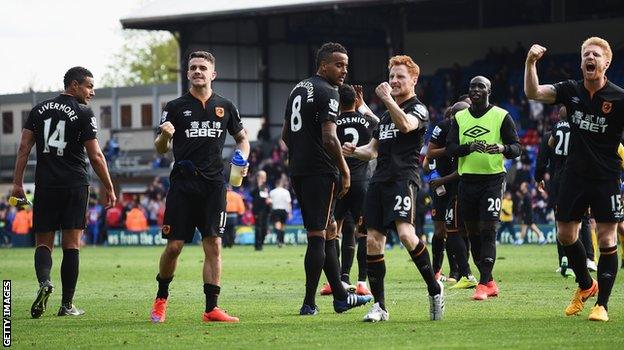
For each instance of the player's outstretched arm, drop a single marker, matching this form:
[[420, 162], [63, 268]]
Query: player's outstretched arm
[[26, 143], [98, 163], [532, 88], [162, 142], [365, 152], [362, 107]]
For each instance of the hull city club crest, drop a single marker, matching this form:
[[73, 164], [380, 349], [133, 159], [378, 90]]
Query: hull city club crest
[[220, 112], [606, 107]]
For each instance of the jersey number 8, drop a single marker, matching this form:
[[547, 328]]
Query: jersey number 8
[[295, 115]]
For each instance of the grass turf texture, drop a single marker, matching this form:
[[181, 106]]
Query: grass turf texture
[[265, 289]]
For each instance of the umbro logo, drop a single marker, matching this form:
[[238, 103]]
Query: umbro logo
[[476, 131], [187, 113], [576, 100]]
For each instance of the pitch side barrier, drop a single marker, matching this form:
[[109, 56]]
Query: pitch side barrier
[[294, 235]]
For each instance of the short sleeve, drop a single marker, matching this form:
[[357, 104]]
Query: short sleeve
[[167, 115], [235, 124], [89, 125], [564, 91], [328, 105], [438, 135], [30, 121], [420, 111]]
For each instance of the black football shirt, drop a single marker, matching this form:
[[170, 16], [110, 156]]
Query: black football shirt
[[398, 156], [200, 131], [355, 128], [311, 103], [445, 165], [61, 126], [596, 125], [561, 135]]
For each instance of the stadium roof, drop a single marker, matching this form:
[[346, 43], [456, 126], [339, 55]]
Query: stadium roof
[[161, 13]]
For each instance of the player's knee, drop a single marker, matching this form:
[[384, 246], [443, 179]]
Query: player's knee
[[173, 249], [374, 245], [607, 239]]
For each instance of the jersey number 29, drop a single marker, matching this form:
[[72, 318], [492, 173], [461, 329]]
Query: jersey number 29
[[57, 139]]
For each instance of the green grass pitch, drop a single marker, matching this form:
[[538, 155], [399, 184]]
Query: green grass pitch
[[265, 289]]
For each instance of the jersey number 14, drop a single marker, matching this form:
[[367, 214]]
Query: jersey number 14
[[57, 139]]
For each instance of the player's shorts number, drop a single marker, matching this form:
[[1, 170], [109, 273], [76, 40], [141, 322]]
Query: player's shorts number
[[449, 215], [495, 204], [295, 115], [57, 139], [616, 203], [403, 203], [353, 132]]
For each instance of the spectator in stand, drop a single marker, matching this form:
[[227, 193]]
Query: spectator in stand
[[234, 209], [22, 223], [5, 237], [261, 206], [135, 219], [94, 213]]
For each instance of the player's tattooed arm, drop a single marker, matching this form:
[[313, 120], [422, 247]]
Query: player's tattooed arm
[[532, 88]]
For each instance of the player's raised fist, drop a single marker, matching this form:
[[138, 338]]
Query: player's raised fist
[[167, 129], [383, 91], [535, 53]]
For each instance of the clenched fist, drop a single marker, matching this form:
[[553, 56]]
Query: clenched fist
[[167, 129], [535, 53], [383, 91]]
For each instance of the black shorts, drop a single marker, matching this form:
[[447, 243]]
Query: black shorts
[[387, 202], [452, 216], [353, 201], [439, 205], [279, 215], [527, 219], [60, 209], [194, 204], [578, 193], [316, 195], [481, 200]]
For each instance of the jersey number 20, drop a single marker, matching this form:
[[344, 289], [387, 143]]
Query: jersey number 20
[[57, 139]]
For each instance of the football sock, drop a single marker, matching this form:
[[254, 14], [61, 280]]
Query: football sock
[[313, 263], [420, 257], [43, 263], [607, 271], [348, 251], [212, 294], [163, 287], [332, 270], [585, 235], [577, 258], [280, 236], [452, 260], [361, 258], [488, 252], [376, 267], [69, 274], [437, 250], [336, 246], [475, 248], [458, 248]]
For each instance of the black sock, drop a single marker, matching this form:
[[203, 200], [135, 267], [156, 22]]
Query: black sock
[[488, 252], [456, 244], [336, 247], [163, 286], [585, 235], [577, 259], [69, 274], [313, 262], [475, 249], [376, 267], [43, 263], [361, 258], [348, 251], [212, 294], [607, 271], [452, 260], [420, 256], [437, 250], [280, 236], [332, 270]]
